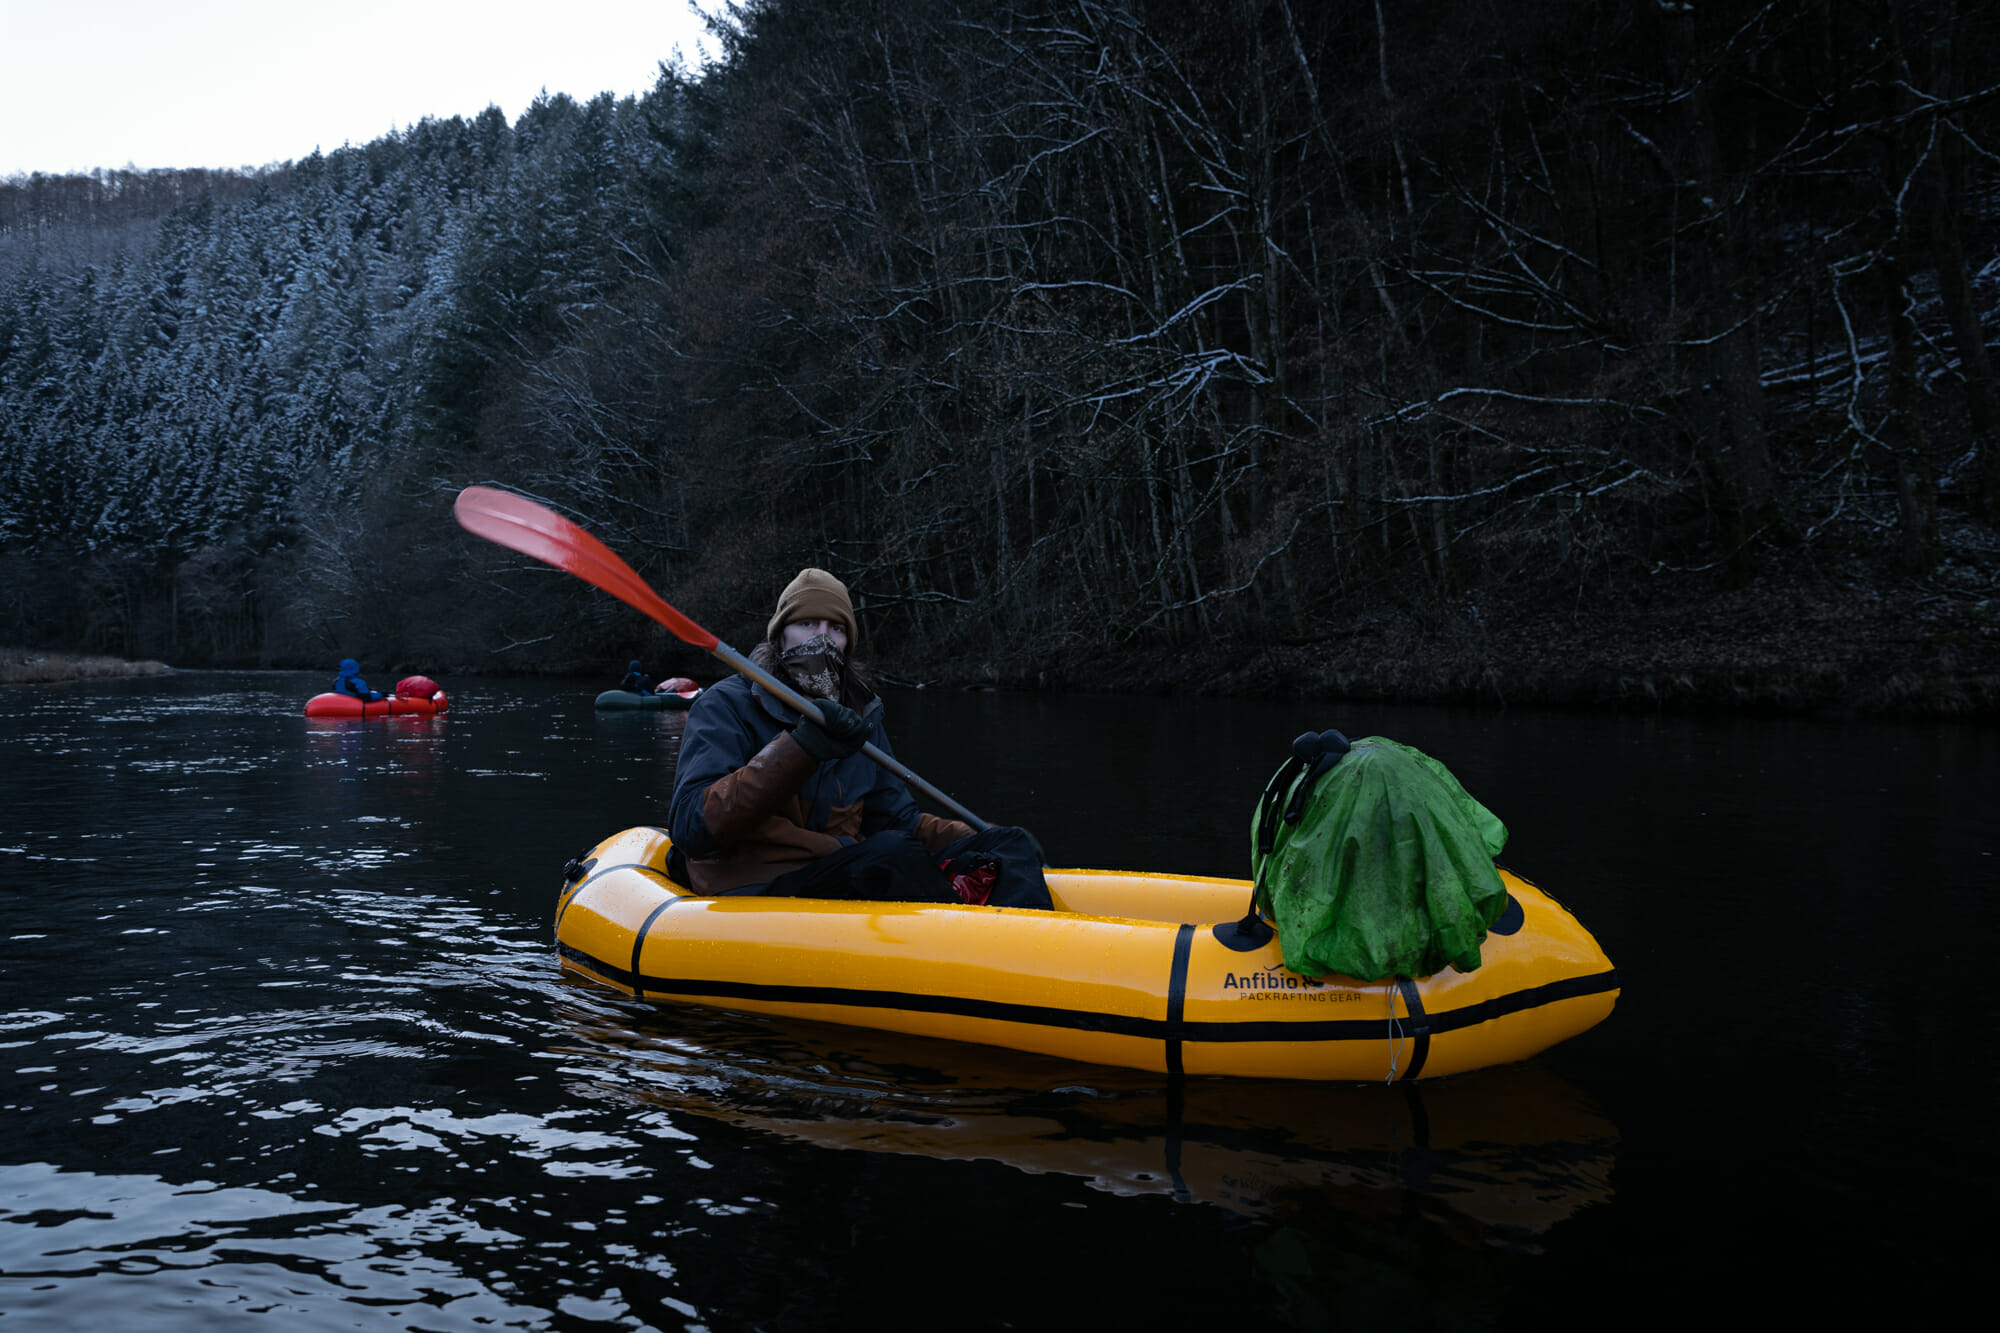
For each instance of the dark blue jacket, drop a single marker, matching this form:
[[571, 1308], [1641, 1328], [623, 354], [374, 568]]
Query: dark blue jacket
[[843, 801], [350, 682]]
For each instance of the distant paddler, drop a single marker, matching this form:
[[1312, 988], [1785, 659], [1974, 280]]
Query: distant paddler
[[349, 683], [635, 679]]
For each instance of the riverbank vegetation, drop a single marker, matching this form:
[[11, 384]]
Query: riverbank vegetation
[[1570, 352], [19, 666]]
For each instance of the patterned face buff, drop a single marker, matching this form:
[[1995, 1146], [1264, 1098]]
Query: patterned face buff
[[815, 667]]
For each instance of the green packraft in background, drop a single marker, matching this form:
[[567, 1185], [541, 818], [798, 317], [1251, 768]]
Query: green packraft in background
[[1374, 863]]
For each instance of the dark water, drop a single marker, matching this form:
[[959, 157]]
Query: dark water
[[286, 1045]]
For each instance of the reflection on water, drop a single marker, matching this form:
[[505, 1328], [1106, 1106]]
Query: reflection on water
[[141, 1251], [1506, 1153]]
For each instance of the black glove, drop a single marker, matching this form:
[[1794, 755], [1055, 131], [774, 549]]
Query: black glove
[[839, 734]]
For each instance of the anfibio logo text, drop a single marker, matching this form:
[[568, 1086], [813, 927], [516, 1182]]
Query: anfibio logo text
[[1275, 983]]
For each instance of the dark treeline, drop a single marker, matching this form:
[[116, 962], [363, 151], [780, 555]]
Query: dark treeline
[[1057, 327]]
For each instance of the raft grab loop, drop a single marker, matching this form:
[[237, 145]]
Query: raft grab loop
[[1419, 1029]]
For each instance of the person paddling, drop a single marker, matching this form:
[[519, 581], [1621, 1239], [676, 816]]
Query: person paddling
[[766, 802], [349, 682], [635, 681]]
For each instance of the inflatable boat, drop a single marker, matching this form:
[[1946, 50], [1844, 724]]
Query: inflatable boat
[[1145, 971], [626, 700], [393, 705]]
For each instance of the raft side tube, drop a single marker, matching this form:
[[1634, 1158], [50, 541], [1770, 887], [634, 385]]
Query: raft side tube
[[1148, 897], [393, 705], [626, 701], [991, 975]]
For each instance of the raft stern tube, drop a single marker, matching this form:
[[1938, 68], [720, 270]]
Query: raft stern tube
[[1130, 970]]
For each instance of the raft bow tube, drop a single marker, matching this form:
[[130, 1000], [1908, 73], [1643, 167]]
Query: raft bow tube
[[1137, 970], [394, 705]]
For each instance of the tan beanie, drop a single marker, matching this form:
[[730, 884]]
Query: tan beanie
[[814, 595]]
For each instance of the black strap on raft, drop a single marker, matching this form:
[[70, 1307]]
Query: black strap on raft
[[1313, 753]]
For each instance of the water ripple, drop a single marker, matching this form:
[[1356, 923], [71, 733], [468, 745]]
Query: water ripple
[[139, 1250]]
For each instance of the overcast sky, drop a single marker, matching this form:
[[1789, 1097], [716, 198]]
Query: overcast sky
[[232, 83]]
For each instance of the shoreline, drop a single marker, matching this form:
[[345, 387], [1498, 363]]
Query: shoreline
[[1406, 665], [1794, 642], [22, 666], [1436, 669]]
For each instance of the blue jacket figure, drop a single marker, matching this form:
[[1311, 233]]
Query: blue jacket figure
[[635, 681], [350, 682]]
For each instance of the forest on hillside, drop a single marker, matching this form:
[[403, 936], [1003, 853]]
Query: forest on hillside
[[1064, 330]]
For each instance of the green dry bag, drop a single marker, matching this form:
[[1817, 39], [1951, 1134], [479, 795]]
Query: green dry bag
[[1374, 862]]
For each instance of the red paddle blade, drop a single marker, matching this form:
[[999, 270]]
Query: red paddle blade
[[519, 524]]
